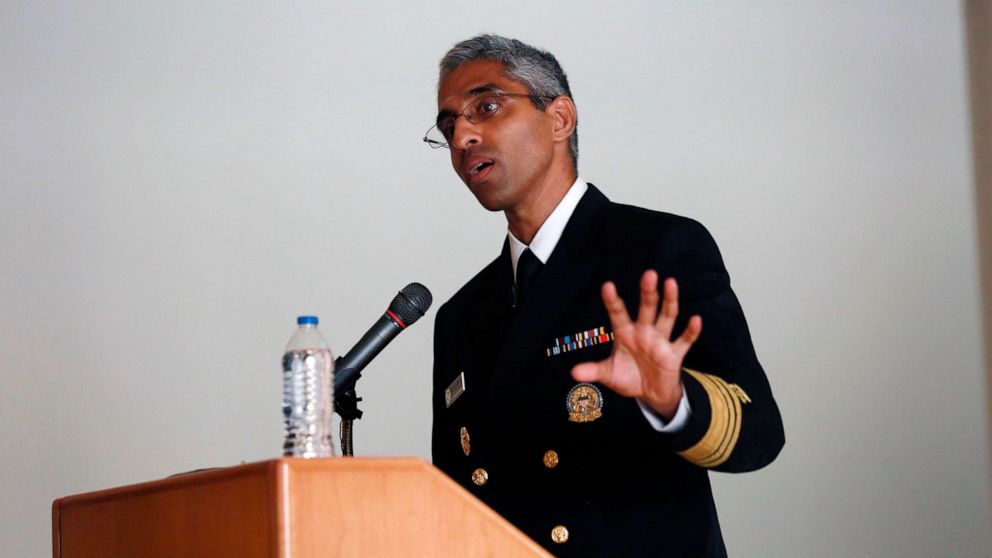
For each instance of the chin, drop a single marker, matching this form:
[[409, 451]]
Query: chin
[[493, 208], [489, 204]]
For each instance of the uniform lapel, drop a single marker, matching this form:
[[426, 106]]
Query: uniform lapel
[[568, 269], [490, 315]]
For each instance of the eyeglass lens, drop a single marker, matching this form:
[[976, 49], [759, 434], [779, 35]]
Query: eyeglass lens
[[479, 110]]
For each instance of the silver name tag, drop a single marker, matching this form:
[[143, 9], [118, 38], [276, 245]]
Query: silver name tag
[[455, 390]]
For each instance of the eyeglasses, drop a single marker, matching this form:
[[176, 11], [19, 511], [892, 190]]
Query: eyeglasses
[[482, 108]]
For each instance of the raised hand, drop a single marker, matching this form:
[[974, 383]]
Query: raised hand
[[644, 364]]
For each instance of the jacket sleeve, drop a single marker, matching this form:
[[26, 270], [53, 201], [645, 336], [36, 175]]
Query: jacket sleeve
[[735, 423]]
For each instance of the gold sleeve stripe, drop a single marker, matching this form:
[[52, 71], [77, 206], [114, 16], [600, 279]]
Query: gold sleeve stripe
[[724, 430]]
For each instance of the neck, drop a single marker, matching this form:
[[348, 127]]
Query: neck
[[525, 221]]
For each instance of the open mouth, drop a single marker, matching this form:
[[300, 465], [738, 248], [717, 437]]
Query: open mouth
[[480, 167]]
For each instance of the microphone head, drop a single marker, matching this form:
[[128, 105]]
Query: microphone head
[[411, 303]]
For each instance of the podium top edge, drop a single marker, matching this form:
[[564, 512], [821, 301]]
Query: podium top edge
[[269, 468]]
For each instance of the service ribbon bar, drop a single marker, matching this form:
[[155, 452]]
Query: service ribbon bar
[[579, 340]]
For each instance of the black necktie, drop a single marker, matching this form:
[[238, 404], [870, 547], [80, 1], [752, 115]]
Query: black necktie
[[528, 268]]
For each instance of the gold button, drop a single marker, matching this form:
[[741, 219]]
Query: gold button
[[559, 534], [480, 477], [551, 459]]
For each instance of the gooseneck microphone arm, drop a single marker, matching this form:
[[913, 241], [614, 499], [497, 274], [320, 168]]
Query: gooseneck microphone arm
[[408, 306]]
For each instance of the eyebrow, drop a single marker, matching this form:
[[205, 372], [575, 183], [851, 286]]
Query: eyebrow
[[485, 88]]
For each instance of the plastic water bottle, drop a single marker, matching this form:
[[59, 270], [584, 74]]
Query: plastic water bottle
[[307, 404]]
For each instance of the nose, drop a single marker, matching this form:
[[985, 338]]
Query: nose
[[466, 134]]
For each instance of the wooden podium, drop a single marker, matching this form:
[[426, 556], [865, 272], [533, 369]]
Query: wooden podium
[[288, 508]]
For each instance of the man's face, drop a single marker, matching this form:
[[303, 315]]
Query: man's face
[[504, 158]]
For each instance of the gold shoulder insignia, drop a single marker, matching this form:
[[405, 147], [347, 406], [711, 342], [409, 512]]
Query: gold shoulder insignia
[[721, 437]]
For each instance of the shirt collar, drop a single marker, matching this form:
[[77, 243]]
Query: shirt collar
[[549, 234]]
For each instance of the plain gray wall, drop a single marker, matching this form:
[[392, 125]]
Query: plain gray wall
[[179, 180]]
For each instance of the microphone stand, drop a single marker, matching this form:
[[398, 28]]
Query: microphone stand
[[346, 406]]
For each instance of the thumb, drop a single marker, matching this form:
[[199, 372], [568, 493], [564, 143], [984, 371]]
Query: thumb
[[589, 372]]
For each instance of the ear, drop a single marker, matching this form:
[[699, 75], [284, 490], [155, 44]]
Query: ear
[[564, 117]]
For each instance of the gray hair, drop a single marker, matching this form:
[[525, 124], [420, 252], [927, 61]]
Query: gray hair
[[537, 69]]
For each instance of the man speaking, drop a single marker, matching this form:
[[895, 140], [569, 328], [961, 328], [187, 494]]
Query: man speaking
[[588, 378]]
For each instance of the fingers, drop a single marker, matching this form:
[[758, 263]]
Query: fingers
[[614, 306], [669, 309], [649, 298], [664, 321], [692, 331]]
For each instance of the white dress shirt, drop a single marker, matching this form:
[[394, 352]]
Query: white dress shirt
[[543, 245]]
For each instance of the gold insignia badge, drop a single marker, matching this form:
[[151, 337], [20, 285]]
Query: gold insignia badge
[[466, 441], [584, 403]]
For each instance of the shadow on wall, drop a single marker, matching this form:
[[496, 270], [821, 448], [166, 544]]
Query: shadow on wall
[[979, 31]]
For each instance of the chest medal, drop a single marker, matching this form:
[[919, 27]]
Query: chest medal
[[584, 403]]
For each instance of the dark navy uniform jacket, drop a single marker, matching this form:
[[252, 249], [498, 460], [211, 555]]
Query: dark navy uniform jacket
[[612, 486]]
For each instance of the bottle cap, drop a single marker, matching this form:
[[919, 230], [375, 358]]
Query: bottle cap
[[308, 320]]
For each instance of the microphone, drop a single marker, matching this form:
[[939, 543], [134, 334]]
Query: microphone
[[406, 308]]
